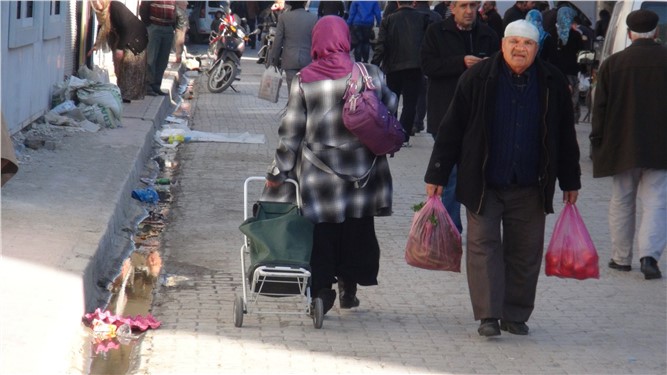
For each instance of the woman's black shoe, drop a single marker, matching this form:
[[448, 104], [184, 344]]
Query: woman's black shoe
[[348, 295]]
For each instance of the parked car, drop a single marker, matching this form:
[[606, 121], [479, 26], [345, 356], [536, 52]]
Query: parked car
[[617, 37], [201, 14]]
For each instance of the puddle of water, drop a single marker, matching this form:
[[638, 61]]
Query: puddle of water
[[133, 288]]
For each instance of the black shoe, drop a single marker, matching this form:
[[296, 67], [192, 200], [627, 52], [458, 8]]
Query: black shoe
[[515, 328], [649, 267], [328, 297], [619, 267], [347, 295], [489, 327]]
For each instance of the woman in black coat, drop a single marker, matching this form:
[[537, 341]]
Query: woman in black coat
[[126, 35]]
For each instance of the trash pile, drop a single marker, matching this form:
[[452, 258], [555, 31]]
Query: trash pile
[[87, 101], [109, 331]]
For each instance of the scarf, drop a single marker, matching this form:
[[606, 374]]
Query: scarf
[[330, 51], [535, 17], [564, 23]]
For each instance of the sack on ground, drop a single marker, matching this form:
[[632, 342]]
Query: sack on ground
[[104, 94], [434, 242], [366, 116], [571, 253], [269, 86]]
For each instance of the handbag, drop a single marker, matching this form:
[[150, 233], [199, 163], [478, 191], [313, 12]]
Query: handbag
[[366, 116], [269, 85], [434, 243], [571, 253]]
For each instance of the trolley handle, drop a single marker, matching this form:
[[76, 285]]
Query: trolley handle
[[262, 178]]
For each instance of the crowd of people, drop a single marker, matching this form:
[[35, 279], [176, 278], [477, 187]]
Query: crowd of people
[[499, 94], [501, 104]]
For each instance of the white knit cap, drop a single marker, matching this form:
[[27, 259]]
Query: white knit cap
[[524, 29]]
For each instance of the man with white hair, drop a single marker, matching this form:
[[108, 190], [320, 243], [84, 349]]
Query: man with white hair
[[510, 132], [629, 139]]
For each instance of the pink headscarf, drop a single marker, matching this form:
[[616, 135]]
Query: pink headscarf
[[330, 51]]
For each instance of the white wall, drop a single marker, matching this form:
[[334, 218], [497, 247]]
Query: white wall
[[33, 55]]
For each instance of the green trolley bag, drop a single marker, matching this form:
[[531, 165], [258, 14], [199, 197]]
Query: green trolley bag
[[278, 236]]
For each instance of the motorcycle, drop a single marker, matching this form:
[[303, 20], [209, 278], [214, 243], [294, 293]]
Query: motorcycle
[[267, 43], [228, 44]]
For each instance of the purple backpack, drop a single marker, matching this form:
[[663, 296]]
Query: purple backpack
[[365, 116]]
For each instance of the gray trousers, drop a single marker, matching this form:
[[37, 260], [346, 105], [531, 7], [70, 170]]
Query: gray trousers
[[160, 40], [504, 253]]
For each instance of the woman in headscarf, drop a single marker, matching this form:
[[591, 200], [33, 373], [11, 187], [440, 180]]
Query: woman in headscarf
[[124, 33], [547, 47], [345, 247], [568, 45]]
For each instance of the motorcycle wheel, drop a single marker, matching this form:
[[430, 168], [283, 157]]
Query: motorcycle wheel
[[222, 76]]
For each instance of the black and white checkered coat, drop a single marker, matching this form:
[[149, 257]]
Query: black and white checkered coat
[[314, 119]]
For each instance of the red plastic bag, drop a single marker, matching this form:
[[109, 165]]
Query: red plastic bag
[[571, 253], [434, 242]]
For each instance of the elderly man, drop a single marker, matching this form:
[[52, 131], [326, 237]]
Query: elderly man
[[510, 130], [629, 139]]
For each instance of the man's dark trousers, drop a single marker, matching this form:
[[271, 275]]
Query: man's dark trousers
[[504, 253], [407, 84]]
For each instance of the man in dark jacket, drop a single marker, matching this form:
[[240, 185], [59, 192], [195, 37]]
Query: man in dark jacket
[[291, 47], [489, 15], [518, 11], [450, 47], [420, 114], [629, 143], [397, 52], [510, 129]]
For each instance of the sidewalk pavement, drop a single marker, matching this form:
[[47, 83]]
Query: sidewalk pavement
[[65, 221], [414, 321]]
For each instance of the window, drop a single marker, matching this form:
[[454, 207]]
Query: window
[[660, 8], [23, 28], [53, 19]]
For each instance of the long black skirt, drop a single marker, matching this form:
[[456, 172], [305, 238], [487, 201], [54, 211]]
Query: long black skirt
[[348, 251]]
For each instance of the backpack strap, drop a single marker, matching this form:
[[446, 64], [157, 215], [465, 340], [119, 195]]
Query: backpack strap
[[352, 86], [368, 80]]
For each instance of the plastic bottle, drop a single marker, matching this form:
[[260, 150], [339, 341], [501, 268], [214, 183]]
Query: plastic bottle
[[178, 138], [163, 181], [124, 334]]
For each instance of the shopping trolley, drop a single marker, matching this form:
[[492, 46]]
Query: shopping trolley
[[275, 258]]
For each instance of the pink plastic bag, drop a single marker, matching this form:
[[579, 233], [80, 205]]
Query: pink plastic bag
[[434, 242], [571, 253]]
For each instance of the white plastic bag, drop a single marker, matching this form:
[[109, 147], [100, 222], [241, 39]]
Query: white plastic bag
[[584, 82]]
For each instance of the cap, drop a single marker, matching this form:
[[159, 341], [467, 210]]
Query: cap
[[524, 29], [642, 21]]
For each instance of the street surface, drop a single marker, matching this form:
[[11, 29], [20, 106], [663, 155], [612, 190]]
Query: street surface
[[414, 321]]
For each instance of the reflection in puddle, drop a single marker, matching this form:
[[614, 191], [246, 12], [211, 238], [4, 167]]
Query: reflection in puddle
[[133, 289]]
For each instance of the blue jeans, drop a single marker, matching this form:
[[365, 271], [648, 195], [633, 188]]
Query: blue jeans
[[160, 40], [449, 201]]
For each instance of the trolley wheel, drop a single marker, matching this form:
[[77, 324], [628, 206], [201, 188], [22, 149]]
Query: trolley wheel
[[318, 313], [238, 311]]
